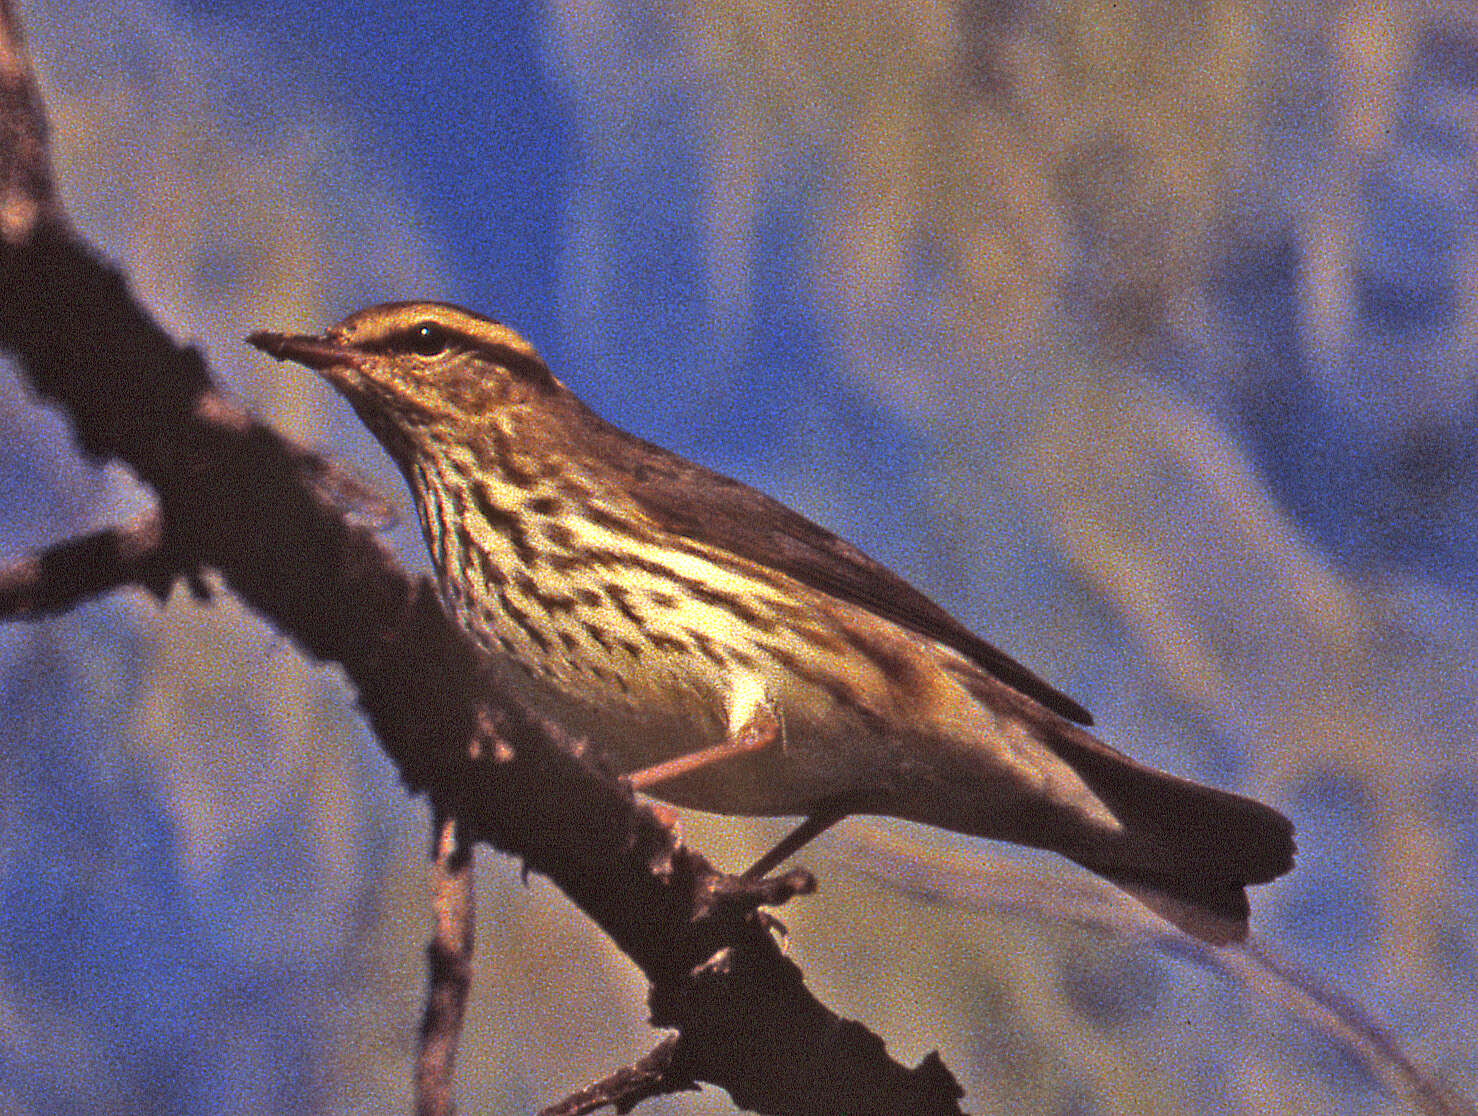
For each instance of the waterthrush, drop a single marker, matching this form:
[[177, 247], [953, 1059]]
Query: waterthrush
[[732, 656]]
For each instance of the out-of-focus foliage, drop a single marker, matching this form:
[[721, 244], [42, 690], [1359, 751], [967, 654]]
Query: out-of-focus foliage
[[1141, 334]]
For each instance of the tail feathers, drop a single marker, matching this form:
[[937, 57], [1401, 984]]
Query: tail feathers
[[1216, 914], [1175, 826], [1186, 851]]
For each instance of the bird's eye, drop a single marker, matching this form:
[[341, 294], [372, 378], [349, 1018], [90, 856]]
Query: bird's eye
[[428, 339]]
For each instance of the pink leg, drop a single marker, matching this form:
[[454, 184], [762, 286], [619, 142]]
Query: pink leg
[[760, 731], [815, 825]]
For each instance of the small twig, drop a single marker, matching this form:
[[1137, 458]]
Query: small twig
[[78, 569], [734, 897], [623, 1090], [449, 970], [359, 499], [139, 553], [26, 191]]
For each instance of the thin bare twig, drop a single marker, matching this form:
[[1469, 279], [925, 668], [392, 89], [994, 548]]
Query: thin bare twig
[[651, 1076], [27, 195], [448, 970], [79, 569]]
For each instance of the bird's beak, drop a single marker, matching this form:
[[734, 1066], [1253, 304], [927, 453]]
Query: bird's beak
[[316, 352]]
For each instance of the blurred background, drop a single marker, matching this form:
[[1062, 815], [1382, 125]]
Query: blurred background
[[1141, 336]]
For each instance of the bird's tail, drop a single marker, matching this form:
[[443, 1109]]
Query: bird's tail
[[1185, 850]]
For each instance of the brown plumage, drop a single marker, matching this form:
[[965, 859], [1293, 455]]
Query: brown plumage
[[733, 656]]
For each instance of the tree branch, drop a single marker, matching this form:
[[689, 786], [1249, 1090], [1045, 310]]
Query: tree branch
[[235, 495], [77, 570]]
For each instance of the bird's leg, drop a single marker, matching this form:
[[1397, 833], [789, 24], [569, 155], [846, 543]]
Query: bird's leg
[[761, 730], [814, 826]]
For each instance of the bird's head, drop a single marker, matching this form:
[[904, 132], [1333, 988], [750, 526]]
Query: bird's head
[[415, 369]]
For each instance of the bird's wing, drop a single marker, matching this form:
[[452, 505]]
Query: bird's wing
[[716, 511]]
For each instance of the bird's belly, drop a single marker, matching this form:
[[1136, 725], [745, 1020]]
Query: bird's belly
[[646, 684], [677, 715], [673, 706], [646, 717]]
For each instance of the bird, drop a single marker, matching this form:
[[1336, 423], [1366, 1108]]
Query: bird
[[726, 654]]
